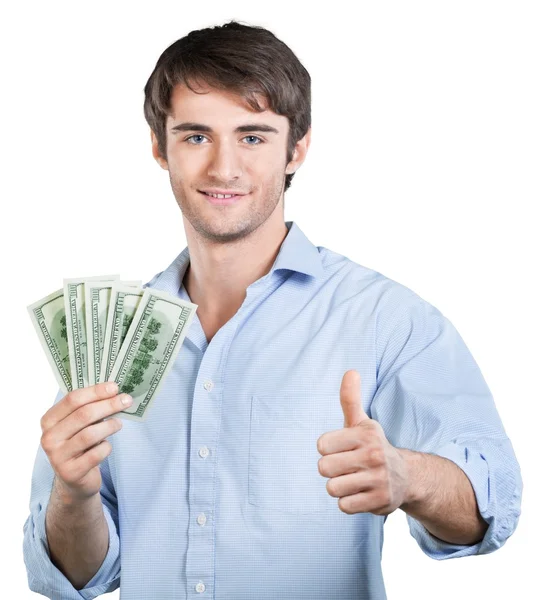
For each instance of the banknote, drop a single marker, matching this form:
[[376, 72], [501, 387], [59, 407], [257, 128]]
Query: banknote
[[123, 303], [149, 349], [48, 317], [96, 302], [75, 313]]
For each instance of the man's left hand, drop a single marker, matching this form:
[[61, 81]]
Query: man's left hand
[[366, 472]]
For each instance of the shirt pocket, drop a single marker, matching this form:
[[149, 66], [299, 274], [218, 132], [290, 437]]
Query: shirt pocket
[[283, 455]]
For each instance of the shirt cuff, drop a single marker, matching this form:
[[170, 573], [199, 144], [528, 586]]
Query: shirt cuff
[[500, 513], [45, 578]]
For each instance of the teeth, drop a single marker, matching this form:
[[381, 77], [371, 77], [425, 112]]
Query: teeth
[[220, 195]]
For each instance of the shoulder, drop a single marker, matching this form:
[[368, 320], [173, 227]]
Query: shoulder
[[385, 296]]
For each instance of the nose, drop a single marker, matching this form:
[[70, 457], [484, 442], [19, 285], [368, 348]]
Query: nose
[[225, 162]]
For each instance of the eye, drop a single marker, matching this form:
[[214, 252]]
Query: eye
[[256, 138], [194, 136], [199, 135]]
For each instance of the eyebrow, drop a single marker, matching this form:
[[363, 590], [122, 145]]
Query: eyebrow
[[189, 126]]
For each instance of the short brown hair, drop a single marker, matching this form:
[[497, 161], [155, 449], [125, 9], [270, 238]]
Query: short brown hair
[[244, 59]]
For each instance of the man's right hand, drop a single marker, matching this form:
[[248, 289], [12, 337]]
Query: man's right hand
[[74, 438]]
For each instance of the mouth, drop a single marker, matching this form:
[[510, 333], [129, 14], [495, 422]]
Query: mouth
[[223, 201]]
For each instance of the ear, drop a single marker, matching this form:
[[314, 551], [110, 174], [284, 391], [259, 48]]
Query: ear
[[155, 151], [299, 153]]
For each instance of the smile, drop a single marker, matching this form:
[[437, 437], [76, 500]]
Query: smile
[[221, 199]]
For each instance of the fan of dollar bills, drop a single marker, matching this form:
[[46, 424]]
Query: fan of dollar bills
[[98, 329]]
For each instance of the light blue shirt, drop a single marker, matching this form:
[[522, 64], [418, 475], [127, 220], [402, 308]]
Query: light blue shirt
[[218, 494]]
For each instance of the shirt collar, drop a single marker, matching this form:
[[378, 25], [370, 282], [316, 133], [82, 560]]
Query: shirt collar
[[296, 253]]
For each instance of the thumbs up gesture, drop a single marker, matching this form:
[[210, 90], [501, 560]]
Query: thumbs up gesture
[[366, 472]]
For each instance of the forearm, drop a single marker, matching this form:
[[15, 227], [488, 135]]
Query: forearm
[[77, 536], [442, 498]]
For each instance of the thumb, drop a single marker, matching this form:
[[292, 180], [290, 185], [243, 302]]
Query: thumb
[[350, 399]]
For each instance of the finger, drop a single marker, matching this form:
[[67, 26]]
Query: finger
[[370, 456], [74, 400], [353, 483], [342, 463], [361, 502], [340, 440], [87, 415], [350, 399], [88, 438], [79, 467]]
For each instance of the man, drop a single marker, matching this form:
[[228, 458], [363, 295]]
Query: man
[[312, 396]]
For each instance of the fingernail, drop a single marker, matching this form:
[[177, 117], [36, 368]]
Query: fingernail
[[126, 400], [112, 387]]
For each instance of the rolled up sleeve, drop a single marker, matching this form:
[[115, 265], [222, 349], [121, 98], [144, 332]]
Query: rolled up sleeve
[[432, 397], [43, 576]]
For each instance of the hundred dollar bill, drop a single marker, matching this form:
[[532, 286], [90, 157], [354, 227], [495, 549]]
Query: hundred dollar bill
[[148, 352], [75, 314], [48, 318], [96, 301], [124, 301]]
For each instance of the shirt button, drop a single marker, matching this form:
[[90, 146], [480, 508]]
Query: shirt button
[[204, 451], [200, 587], [201, 520], [208, 385]]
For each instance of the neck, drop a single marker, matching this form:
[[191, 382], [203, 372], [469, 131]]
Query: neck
[[218, 275]]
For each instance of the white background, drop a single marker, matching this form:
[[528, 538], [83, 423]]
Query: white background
[[423, 166]]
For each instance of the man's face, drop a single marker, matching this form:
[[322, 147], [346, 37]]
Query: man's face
[[252, 163]]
